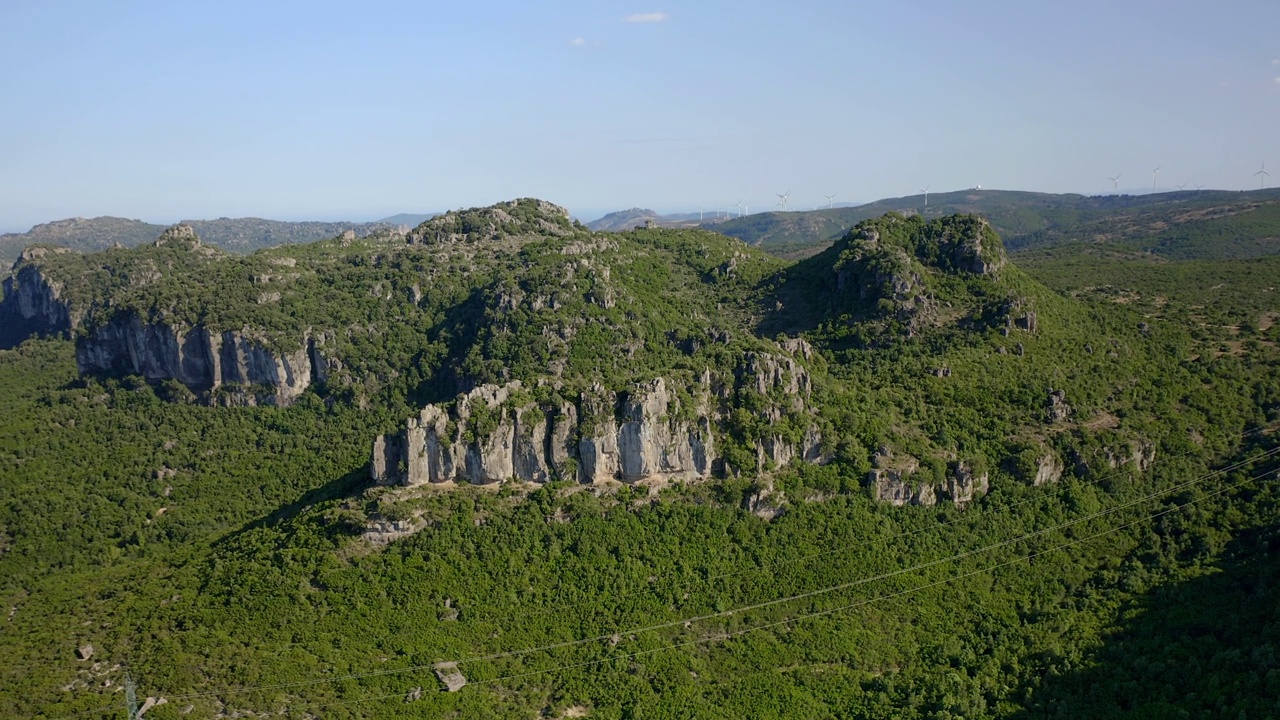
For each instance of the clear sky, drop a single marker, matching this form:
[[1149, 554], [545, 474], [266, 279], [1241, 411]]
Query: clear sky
[[169, 110]]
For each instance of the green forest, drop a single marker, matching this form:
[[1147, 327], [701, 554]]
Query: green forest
[[1122, 402]]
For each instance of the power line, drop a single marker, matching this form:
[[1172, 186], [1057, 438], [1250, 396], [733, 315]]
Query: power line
[[829, 611], [689, 584], [747, 608], [874, 578]]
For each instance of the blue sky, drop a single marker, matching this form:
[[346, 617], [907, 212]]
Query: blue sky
[[169, 110]]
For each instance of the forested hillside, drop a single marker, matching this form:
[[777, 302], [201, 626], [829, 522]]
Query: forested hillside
[[507, 466]]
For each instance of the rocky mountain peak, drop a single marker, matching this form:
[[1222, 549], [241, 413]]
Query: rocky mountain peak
[[178, 234], [514, 218]]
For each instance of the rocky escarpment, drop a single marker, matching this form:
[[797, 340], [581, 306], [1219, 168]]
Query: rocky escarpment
[[33, 301], [495, 434], [647, 431], [234, 367]]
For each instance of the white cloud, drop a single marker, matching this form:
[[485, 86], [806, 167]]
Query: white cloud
[[1278, 81], [1276, 61], [578, 42], [652, 17]]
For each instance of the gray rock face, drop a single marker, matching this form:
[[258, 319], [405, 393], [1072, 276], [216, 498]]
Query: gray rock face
[[963, 485], [891, 481], [483, 440], [487, 438], [1057, 407], [969, 254], [894, 486], [1139, 454], [33, 300], [234, 360], [766, 372], [451, 676], [1048, 469]]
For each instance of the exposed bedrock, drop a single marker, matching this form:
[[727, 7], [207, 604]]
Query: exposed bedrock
[[495, 433], [244, 366], [33, 305]]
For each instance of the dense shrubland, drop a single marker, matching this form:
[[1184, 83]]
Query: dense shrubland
[[211, 550]]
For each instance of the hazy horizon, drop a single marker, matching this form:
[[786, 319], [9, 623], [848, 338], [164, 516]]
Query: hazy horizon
[[161, 112], [591, 213]]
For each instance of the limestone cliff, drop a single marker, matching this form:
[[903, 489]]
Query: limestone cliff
[[33, 302], [234, 367], [649, 430], [242, 367], [496, 433]]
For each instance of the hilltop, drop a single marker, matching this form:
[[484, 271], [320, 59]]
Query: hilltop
[[233, 234], [637, 217]]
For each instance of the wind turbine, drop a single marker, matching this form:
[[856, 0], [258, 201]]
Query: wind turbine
[[926, 194], [1154, 174], [739, 206], [829, 198], [1115, 183], [782, 200], [1199, 188], [1262, 175], [1183, 186]]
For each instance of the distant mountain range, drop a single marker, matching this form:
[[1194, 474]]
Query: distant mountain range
[[410, 219], [630, 219], [233, 234], [1024, 219]]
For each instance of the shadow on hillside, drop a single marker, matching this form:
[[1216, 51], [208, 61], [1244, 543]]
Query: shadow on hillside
[[346, 486], [1205, 648], [15, 330], [798, 298]]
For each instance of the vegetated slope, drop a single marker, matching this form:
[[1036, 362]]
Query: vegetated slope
[[218, 550], [1024, 219], [233, 234]]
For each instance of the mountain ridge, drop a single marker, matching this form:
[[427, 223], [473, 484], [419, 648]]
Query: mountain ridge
[[1025, 219], [234, 234]]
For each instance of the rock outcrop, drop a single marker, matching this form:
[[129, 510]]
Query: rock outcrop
[[33, 303], [491, 435], [647, 431], [886, 269], [1048, 469], [1057, 408], [892, 481], [963, 484], [243, 367]]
